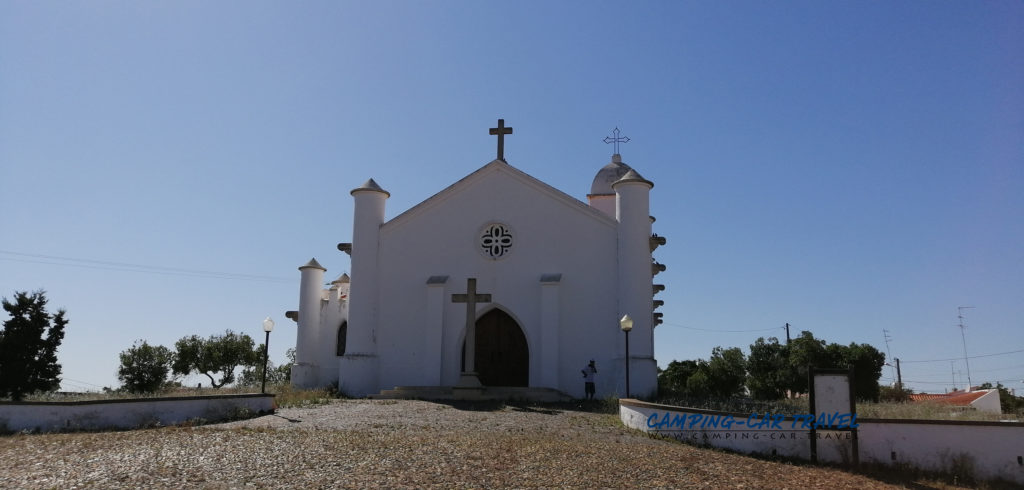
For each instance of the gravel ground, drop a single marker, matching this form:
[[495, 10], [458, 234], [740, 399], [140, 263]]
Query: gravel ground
[[386, 443]]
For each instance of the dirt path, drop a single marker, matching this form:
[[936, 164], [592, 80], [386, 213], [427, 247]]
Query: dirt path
[[363, 443]]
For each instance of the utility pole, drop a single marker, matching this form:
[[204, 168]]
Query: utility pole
[[888, 355], [899, 376], [787, 334], [952, 372], [963, 337]]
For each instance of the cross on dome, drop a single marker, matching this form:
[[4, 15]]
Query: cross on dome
[[616, 139]]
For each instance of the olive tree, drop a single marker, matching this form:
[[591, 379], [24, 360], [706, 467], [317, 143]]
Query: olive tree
[[215, 354], [145, 368]]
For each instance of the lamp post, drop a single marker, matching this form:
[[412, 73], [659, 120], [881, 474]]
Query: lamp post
[[268, 325], [626, 324]]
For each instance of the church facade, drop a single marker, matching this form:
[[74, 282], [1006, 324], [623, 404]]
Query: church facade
[[545, 276]]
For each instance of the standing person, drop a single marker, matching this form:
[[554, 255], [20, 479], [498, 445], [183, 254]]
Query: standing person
[[589, 373]]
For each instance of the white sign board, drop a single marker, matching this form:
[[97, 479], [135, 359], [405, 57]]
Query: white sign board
[[831, 393]]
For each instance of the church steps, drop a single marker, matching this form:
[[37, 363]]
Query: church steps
[[484, 393]]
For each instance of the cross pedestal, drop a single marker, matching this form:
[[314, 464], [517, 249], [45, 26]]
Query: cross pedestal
[[469, 378]]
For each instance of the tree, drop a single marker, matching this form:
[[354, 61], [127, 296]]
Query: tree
[[804, 351], [1008, 403], [727, 372], [286, 369], [767, 368], [772, 369], [867, 363], [216, 354], [672, 381], [144, 368], [699, 384], [28, 346], [253, 375], [722, 376], [894, 394]]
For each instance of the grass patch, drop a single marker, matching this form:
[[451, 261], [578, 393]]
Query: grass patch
[[287, 396], [123, 395], [956, 476], [921, 411], [789, 406], [960, 471], [796, 406]]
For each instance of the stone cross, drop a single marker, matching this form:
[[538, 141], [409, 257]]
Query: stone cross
[[616, 139], [471, 298], [501, 131]]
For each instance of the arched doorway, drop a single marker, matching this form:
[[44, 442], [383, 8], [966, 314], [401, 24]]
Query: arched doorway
[[339, 349], [502, 356]]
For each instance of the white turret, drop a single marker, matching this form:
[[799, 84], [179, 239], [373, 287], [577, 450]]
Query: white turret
[[304, 372], [601, 196], [358, 368], [632, 206]]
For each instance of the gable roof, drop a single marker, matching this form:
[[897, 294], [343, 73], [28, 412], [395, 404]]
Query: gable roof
[[499, 166], [956, 398]]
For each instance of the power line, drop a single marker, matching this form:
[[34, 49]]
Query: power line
[[972, 357], [717, 330], [1013, 380], [926, 382], [78, 381], [919, 374], [999, 369], [78, 385], [211, 275], [142, 268], [936, 374]]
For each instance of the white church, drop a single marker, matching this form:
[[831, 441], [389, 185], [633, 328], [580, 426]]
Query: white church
[[499, 280]]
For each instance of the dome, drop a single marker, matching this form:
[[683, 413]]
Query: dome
[[607, 175], [370, 185], [313, 264], [632, 176], [342, 279]]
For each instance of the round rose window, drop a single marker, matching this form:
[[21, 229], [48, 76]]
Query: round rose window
[[496, 240]]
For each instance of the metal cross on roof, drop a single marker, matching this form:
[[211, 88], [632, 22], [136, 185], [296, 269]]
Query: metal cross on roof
[[501, 131], [616, 139]]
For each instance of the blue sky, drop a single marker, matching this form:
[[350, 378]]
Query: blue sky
[[846, 167]]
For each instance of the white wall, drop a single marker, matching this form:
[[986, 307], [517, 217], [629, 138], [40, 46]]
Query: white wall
[[995, 449], [127, 414], [306, 367], [333, 311], [988, 403], [551, 235], [992, 447]]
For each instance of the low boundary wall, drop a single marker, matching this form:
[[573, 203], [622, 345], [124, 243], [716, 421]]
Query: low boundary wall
[[988, 450], [128, 413]]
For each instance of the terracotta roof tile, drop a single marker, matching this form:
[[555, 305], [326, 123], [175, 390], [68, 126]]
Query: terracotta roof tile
[[957, 398]]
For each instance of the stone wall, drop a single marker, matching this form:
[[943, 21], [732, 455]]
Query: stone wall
[[128, 413], [987, 450]]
